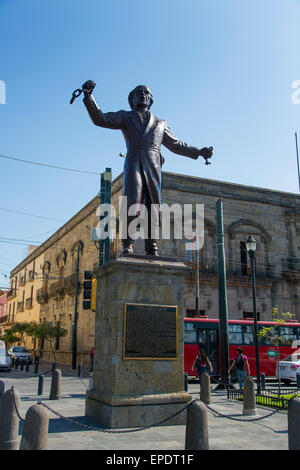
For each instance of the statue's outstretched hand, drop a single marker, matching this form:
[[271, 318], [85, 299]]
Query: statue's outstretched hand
[[88, 87], [206, 152]]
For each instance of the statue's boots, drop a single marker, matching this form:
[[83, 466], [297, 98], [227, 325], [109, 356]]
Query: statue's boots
[[128, 247], [151, 247]]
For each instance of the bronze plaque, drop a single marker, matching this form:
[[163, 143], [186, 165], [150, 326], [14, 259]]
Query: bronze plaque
[[150, 332]]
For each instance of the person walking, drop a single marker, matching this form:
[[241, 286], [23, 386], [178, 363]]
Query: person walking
[[202, 363], [240, 362]]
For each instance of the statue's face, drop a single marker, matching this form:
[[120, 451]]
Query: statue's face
[[142, 97]]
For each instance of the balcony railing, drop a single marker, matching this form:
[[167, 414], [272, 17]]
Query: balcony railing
[[3, 319], [11, 293], [42, 296], [70, 284], [56, 289]]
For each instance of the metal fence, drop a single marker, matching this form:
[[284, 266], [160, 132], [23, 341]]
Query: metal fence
[[267, 397]]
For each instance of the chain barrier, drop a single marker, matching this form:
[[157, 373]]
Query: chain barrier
[[68, 374], [249, 420], [15, 404], [113, 431], [143, 428], [47, 372]]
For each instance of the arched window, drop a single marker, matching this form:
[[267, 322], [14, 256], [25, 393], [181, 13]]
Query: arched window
[[239, 232]]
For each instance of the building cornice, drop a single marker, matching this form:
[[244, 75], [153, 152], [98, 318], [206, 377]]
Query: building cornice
[[223, 189]]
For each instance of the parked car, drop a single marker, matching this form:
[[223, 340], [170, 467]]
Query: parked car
[[4, 360], [289, 367], [21, 353]]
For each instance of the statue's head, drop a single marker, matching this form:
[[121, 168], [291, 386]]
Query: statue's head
[[140, 96]]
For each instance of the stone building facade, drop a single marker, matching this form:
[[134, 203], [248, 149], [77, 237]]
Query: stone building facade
[[25, 280], [272, 217], [3, 309]]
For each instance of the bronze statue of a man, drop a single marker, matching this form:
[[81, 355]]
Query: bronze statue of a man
[[144, 134]]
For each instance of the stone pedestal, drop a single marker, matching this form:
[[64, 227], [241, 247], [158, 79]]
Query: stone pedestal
[[133, 384]]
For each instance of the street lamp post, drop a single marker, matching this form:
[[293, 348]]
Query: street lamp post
[[197, 277], [251, 248], [74, 338]]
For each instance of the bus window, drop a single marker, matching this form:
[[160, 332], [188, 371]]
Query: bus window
[[202, 336], [248, 334], [190, 333], [235, 334], [288, 335]]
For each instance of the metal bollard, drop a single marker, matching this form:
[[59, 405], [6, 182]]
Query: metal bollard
[[55, 391], [35, 431], [186, 381], [249, 405], [27, 366], [13, 362], [22, 365], [196, 433], [263, 381], [91, 380], [298, 381], [79, 372], [294, 424], [9, 421], [205, 388], [2, 391], [36, 367], [17, 362], [41, 385], [2, 388]]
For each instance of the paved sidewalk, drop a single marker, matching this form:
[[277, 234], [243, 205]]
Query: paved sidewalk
[[224, 434]]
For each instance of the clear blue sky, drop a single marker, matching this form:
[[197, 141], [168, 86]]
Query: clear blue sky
[[220, 71]]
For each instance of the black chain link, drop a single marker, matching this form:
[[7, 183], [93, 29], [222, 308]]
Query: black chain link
[[249, 420], [110, 431], [15, 404]]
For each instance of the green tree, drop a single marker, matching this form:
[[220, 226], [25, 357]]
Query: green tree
[[50, 333], [17, 333], [271, 333], [19, 329], [31, 331], [9, 337]]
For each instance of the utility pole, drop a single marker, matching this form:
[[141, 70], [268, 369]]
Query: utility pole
[[105, 198], [197, 277], [74, 337], [296, 139], [223, 310]]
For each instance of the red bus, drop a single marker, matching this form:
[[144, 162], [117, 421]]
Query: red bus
[[205, 331]]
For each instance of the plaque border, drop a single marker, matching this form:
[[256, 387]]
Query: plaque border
[[149, 358]]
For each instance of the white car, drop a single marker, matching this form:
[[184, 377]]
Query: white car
[[21, 353], [289, 367], [4, 360]]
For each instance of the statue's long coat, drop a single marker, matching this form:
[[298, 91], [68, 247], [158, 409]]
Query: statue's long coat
[[142, 168]]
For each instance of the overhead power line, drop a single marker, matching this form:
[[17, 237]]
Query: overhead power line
[[31, 215], [49, 166]]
